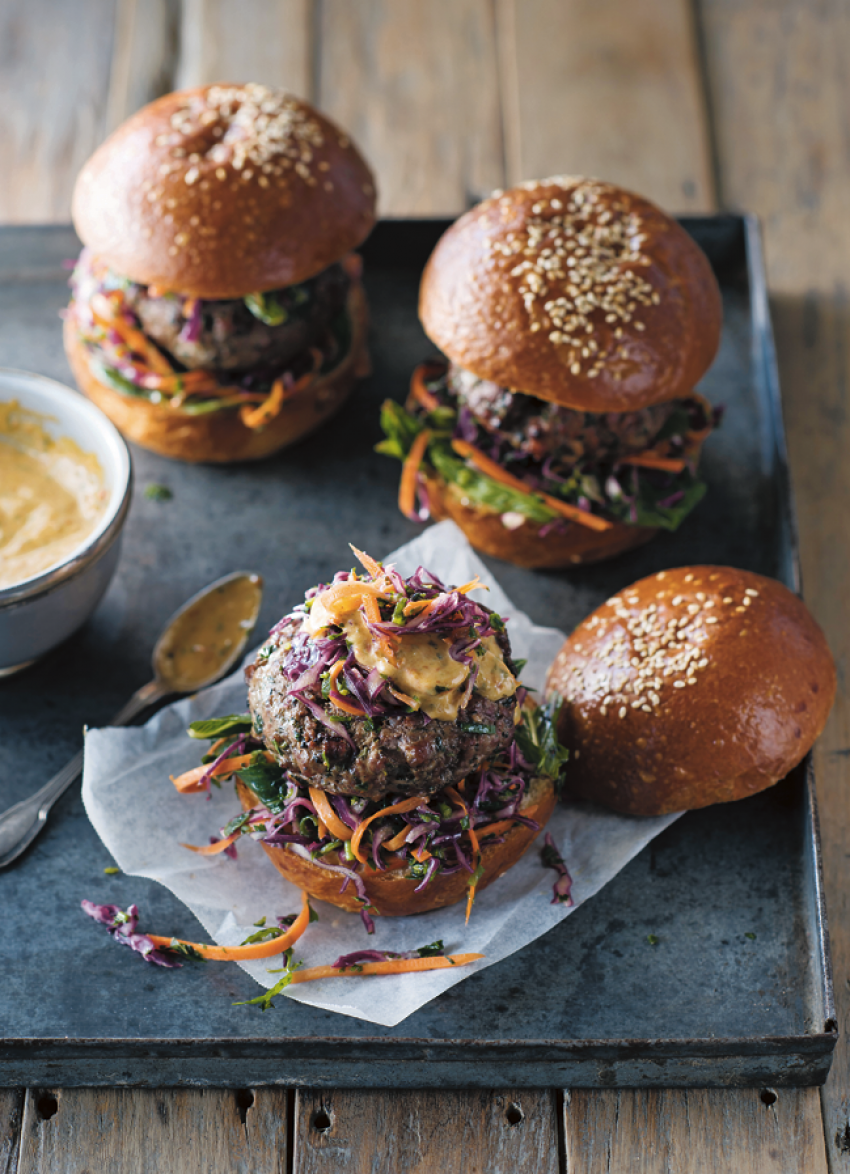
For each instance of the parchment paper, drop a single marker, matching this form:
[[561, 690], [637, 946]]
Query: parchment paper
[[142, 820]]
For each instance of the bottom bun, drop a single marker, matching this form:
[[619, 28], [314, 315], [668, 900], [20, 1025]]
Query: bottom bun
[[221, 437], [392, 893], [526, 546]]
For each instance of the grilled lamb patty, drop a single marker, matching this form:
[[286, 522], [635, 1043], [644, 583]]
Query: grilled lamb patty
[[408, 754], [232, 338], [538, 429]]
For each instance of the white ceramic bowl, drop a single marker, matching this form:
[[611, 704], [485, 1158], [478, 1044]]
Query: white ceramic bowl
[[41, 612]]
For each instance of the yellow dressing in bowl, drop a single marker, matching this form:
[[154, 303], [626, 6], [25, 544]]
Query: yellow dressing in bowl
[[52, 495]]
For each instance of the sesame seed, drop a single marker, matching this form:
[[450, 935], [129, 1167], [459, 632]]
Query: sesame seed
[[751, 591], [678, 684], [678, 599], [711, 619], [623, 711], [688, 578]]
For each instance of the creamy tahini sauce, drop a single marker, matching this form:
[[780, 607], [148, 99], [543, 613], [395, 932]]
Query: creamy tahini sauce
[[200, 641], [52, 495], [422, 668]]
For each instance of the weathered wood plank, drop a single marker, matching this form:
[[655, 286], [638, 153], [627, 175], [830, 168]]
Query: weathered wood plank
[[777, 72], [114, 1131], [57, 56], [11, 1106], [459, 1132], [598, 87], [144, 56], [691, 1132], [416, 85], [266, 41]]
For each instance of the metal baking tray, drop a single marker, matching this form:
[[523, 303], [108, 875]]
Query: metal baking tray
[[736, 989]]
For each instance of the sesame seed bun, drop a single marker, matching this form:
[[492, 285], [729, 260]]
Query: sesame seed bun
[[575, 291], [222, 191], [391, 893], [694, 686], [221, 437]]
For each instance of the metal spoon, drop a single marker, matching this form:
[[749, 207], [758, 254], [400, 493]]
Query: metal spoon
[[200, 643]]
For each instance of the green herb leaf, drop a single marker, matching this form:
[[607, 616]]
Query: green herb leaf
[[652, 939], [154, 492], [266, 780], [751, 936], [537, 738], [267, 308], [264, 1001], [217, 727], [434, 950], [185, 950], [476, 728], [111, 871]]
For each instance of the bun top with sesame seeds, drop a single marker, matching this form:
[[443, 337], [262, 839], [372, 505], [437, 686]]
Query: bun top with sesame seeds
[[575, 291], [224, 190], [694, 686]]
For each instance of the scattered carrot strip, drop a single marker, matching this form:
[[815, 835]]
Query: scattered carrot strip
[[649, 460], [108, 314], [476, 847], [492, 469], [495, 829], [190, 779], [421, 855], [371, 608], [321, 830], [213, 849], [343, 598], [399, 696], [371, 565], [328, 816], [258, 417], [335, 698], [395, 809], [390, 966], [246, 953], [396, 842], [419, 391], [407, 486]]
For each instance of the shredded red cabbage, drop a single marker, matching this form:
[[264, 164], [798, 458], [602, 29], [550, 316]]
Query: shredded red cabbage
[[552, 858], [122, 928]]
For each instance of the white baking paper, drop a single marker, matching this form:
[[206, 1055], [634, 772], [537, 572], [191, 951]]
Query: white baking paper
[[142, 821]]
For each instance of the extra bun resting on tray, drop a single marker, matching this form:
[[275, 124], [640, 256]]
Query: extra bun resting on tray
[[576, 319], [694, 686], [217, 277], [391, 762]]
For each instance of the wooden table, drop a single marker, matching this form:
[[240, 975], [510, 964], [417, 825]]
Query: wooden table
[[736, 104]]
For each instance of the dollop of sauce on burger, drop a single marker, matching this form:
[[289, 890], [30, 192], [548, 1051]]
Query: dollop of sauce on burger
[[52, 495]]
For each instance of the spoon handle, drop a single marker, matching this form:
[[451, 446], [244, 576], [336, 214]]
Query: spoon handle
[[21, 824]]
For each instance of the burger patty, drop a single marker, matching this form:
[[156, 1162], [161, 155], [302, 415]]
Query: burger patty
[[538, 429], [406, 754], [231, 337]]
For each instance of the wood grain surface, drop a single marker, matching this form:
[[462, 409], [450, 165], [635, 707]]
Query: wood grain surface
[[458, 1131], [777, 76], [449, 99], [119, 1131], [599, 87]]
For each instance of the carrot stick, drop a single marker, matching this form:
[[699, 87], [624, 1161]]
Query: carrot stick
[[421, 855], [256, 418], [396, 842], [419, 391], [492, 469], [390, 966], [190, 779], [335, 698], [371, 565], [247, 953], [649, 460], [328, 816], [395, 809], [407, 486], [108, 315], [213, 849], [476, 847]]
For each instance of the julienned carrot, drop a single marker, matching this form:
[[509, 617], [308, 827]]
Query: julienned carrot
[[395, 809], [347, 597], [247, 953], [419, 391], [213, 849], [335, 698], [650, 460], [407, 486], [108, 315], [190, 780], [266, 411], [371, 565], [476, 847], [390, 966], [492, 469], [328, 816]]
